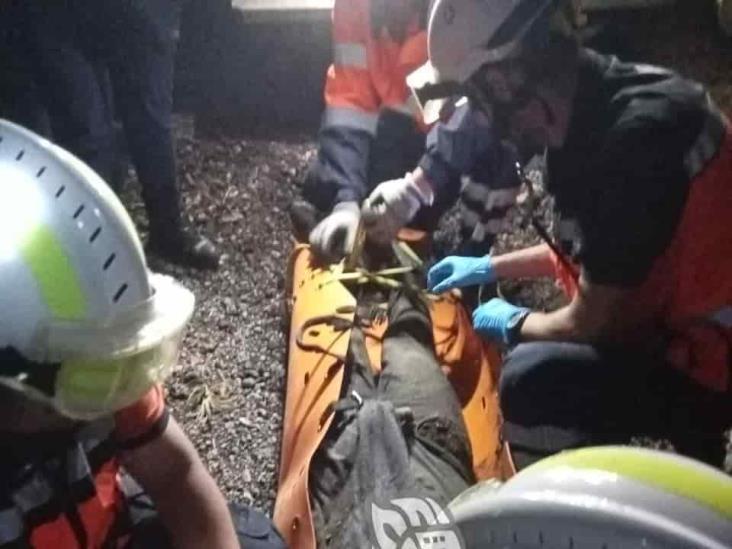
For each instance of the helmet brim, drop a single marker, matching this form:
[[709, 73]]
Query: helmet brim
[[108, 364]]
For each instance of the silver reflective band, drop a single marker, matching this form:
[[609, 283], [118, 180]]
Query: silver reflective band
[[11, 526], [348, 54], [707, 143], [77, 467], [351, 117], [491, 198], [722, 316], [502, 198], [33, 494]]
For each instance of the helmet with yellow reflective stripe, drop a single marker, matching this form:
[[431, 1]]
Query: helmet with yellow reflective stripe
[[602, 497], [85, 327]]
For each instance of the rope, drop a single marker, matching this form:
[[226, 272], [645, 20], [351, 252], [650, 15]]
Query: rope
[[539, 227]]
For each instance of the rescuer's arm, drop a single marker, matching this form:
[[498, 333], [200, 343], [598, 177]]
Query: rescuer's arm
[[637, 201], [596, 312], [452, 149], [457, 272], [462, 145], [533, 262], [352, 105], [189, 503]]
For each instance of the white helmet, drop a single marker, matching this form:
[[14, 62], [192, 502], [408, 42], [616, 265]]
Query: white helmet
[[464, 35], [84, 326], [611, 496]]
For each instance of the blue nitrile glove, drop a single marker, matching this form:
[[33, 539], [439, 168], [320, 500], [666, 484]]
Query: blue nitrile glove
[[455, 272], [499, 320]]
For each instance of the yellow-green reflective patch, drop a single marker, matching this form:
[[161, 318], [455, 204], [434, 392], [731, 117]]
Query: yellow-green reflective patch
[[106, 385], [667, 472], [56, 277]]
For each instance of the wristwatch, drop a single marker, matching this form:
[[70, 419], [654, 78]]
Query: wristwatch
[[513, 327]]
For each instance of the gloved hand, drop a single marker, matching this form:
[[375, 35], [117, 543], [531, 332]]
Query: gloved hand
[[335, 235], [499, 320], [456, 271], [391, 205]]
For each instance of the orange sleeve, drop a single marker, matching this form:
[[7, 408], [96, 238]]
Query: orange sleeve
[[565, 278], [348, 83], [143, 420]]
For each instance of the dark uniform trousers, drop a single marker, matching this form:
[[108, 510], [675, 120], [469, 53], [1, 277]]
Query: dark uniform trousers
[[556, 396], [95, 58]]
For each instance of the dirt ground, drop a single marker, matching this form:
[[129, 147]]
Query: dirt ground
[[227, 391]]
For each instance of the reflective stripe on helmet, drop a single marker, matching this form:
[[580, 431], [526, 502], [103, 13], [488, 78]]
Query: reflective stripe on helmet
[[70, 250], [57, 280], [672, 473]]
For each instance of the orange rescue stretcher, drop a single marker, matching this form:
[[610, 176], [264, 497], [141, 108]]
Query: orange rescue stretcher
[[315, 373]]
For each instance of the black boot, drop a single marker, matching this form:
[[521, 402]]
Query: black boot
[[185, 247], [171, 238]]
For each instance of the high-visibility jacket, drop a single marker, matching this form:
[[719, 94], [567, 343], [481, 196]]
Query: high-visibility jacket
[[367, 77], [687, 295], [64, 492], [370, 68]]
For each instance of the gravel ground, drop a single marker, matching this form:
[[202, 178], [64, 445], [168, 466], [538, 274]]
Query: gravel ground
[[227, 390]]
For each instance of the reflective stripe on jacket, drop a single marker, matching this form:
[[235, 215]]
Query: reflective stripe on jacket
[[462, 153], [369, 68], [368, 76], [68, 499], [62, 490]]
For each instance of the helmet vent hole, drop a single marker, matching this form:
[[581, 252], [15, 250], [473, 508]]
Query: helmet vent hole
[[20, 155], [60, 191], [78, 211], [95, 234], [120, 292], [41, 171], [109, 261]]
